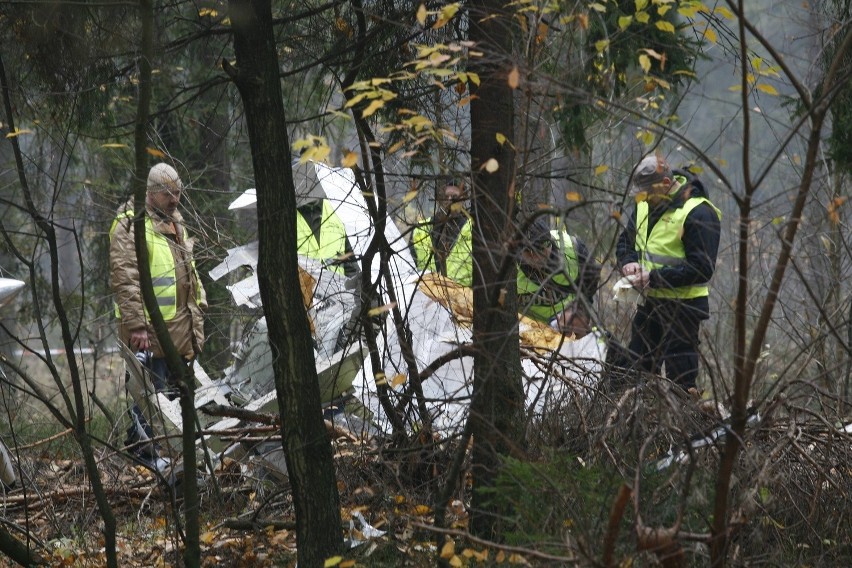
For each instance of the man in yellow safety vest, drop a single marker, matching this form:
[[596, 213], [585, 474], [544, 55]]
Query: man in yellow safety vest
[[444, 242], [668, 250], [177, 287], [557, 279]]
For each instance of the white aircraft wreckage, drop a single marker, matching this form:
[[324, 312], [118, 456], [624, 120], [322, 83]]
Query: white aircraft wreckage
[[437, 311], [9, 288]]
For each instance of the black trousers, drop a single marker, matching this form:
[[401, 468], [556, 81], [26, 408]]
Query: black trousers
[[665, 332], [139, 431]]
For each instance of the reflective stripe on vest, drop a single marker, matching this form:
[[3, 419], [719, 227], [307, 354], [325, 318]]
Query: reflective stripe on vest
[[532, 300], [664, 247], [162, 264], [332, 237]]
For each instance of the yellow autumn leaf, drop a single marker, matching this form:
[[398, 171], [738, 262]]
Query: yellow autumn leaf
[[207, 538], [465, 101], [448, 550], [641, 5], [492, 165], [347, 564], [603, 168], [514, 77], [645, 63], [665, 26], [768, 89], [398, 380], [155, 152], [317, 153], [601, 45], [643, 17], [518, 559], [573, 196], [333, 561], [583, 20], [456, 562], [372, 107], [447, 13], [598, 7], [624, 22], [421, 510], [689, 11], [409, 196], [381, 309], [421, 15], [114, 145], [724, 12], [207, 12], [501, 138], [711, 36], [450, 10], [349, 160], [501, 556], [615, 214]]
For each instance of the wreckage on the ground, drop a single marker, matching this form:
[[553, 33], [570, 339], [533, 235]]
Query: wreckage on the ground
[[436, 312]]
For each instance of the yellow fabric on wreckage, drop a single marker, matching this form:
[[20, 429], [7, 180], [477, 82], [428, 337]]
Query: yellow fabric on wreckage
[[307, 284], [459, 300]]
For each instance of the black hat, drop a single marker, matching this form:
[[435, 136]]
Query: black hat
[[537, 233]]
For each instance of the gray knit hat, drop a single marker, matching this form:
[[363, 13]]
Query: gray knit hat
[[651, 170], [163, 177]]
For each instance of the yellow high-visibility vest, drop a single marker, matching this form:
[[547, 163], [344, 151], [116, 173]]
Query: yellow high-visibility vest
[[162, 264], [664, 247], [332, 237], [459, 261], [532, 302]]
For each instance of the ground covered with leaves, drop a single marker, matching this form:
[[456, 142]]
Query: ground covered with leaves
[[609, 479]]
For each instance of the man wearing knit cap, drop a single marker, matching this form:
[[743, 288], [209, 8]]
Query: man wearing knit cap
[[668, 250], [177, 287]]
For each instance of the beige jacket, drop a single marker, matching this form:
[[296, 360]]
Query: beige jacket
[[187, 327]]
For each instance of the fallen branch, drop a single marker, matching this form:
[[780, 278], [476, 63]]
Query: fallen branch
[[69, 492]]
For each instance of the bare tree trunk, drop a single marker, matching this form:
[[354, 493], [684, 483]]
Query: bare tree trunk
[[497, 405], [186, 379], [306, 443]]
